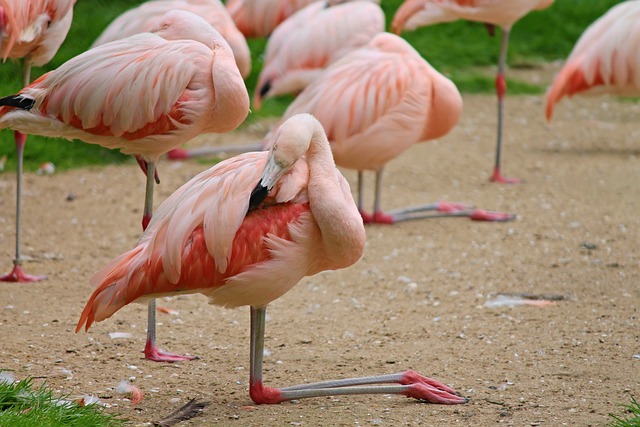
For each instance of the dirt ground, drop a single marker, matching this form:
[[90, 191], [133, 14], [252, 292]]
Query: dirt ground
[[417, 299]]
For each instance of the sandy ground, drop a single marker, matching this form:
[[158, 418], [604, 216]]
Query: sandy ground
[[417, 299]]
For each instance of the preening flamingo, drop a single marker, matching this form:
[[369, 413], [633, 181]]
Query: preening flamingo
[[145, 95], [376, 102], [145, 17], [31, 30], [244, 233], [606, 58], [301, 47], [502, 13]]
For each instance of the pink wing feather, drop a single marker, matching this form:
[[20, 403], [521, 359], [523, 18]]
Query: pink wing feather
[[606, 58]]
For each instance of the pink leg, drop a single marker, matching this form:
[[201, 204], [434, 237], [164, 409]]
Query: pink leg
[[151, 350], [17, 274], [409, 383], [501, 89], [432, 210]]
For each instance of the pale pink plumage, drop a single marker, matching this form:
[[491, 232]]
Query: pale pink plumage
[[258, 18], [144, 95], [146, 16], [201, 239], [305, 43], [503, 13], [606, 58], [34, 28], [379, 100], [211, 236]]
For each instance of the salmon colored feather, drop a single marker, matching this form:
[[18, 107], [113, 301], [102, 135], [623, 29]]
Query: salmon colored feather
[[606, 58]]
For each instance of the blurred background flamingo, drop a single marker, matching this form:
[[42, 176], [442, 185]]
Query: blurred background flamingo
[[301, 47], [283, 216], [31, 30], [606, 58], [146, 16], [502, 13], [375, 103], [145, 95]]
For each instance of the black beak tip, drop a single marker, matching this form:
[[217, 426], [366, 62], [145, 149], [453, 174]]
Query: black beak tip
[[257, 196], [265, 89]]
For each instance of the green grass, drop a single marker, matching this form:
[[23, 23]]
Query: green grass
[[456, 49], [631, 416], [24, 405]]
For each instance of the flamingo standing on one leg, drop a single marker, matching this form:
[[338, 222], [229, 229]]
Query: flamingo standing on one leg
[[32, 30], [376, 102], [146, 16], [503, 13], [145, 95], [606, 58], [301, 47], [244, 233]]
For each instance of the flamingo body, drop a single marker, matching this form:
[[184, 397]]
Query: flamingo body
[[606, 58], [201, 239], [502, 13], [379, 100], [258, 18], [145, 18], [144, 95], [310, 39]]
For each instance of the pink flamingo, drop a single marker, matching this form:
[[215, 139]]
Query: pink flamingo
[[301, 47], [376, 102], [145, 17], [604, 60], [502, 13], [145, 95], [244, 233], [258, 18], [32, 30]]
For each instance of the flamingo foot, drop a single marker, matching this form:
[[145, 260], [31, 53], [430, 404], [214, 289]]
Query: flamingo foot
[[429, 390], [491, 216], [178, 154], [153, 353], [18, 275], [497, 177], [367, 218]]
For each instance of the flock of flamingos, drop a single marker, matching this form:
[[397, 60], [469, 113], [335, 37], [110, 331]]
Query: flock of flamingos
[[247, 230]]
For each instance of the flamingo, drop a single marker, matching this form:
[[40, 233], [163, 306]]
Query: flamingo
[[606, 58], [244, 232], [32, 30], [301, 47], [143, 18], [258, 18], [503, 13], [145, 95], [376, 102]]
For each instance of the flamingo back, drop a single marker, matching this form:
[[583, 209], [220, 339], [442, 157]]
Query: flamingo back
[[377, 101], [606, 58], [313, 37], [145, 17]]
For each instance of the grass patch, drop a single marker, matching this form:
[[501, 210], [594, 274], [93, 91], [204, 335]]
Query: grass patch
[[24, 405], [456, 49], [631, 416]]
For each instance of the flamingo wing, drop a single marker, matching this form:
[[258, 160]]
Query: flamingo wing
[[313, 37], [606, 58], [127, 89]]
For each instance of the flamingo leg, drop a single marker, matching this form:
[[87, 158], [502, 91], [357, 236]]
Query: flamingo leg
[[501, 90], [151, 350], [17, 274], [409, 383], [366, 217], [432, 210]]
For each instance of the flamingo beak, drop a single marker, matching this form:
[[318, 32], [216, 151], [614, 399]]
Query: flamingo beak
[[272, 173]]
